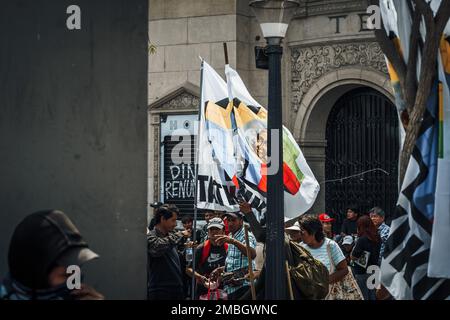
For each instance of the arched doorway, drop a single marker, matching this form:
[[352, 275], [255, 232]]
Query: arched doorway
[[362, 135]]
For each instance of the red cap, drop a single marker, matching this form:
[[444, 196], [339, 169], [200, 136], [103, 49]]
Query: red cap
[[325, 218]]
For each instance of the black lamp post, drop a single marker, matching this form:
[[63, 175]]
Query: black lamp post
[[274, 17]]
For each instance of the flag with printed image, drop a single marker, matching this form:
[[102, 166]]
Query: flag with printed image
[[215, 157], [250, 118]]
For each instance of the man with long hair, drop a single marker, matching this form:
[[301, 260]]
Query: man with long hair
[[164, 268]]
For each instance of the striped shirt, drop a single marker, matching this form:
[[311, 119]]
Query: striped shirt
[[321, 253], [236, 260]]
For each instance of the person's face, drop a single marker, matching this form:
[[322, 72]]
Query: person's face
[[208, 216], [295, 235], [261, 146], [169, 224], [351, 215], [188, 225], [213, 233], [327, 227], [234, 224], [376, 219], [307, 237], [57, 276]]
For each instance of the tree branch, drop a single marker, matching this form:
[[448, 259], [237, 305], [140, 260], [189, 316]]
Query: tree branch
[[425, 9], [389, 49], [411, 69], [442, 16], [427, 75]]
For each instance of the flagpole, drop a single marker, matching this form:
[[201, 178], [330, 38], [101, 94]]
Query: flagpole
[[225, 52], [194, 228]]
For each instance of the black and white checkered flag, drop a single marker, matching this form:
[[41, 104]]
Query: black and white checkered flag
[[404, 270]]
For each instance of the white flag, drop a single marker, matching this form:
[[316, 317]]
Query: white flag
[[300, 185], [215, 188]]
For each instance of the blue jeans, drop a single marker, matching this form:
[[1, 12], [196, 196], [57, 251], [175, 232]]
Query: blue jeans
[[361, 279]]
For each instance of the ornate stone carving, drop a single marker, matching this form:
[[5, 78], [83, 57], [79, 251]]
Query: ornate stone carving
[[184, 100], [308, 64], [330, 7]]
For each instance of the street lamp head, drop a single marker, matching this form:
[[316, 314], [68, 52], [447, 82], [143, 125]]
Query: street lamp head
[[274, 16]]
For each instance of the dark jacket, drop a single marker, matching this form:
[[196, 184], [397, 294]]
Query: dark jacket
[[164, 267], [349, 227], [362, 245], [257, 229]]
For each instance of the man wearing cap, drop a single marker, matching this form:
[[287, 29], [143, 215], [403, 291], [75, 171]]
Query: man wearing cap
[[156, 204], [237, 253], [347, 247], [209, 214], [209, 255], [294, 232], [377, 216], [42, 247], [327, 225]]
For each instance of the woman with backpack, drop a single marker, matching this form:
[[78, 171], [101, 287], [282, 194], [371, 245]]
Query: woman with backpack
[[309, 277], [323, 249], [343, 285]]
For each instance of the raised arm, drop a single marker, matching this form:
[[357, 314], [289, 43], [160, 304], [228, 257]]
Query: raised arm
[[158, 245], [258, 231]]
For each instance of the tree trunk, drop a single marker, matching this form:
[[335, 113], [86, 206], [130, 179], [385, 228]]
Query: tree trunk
[[426, 80], [415, 94]]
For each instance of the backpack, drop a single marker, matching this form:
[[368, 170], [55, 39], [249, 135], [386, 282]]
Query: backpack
[[308, 275]]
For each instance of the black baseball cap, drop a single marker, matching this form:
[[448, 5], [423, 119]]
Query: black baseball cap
[[41, 241], [156, 204], [236, 214]]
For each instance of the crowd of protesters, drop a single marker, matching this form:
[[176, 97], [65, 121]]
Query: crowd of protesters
[[221, 260], [223, 250]]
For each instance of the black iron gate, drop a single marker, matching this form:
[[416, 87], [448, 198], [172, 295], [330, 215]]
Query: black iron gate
[[362, 135]]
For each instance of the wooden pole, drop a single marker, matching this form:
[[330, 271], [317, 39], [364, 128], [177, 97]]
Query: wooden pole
[[291, 293], [225, 51], [250, 266], [194, 227]]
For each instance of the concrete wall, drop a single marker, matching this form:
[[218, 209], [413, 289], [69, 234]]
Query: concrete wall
[[182, 33], [73, 129]]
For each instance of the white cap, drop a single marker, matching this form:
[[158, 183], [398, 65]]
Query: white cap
[[216, 223], [347, 240]]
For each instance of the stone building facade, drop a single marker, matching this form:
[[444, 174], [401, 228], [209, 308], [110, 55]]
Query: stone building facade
[[328, 51]]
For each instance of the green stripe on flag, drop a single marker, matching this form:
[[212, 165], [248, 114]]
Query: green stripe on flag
[[290, 154]]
